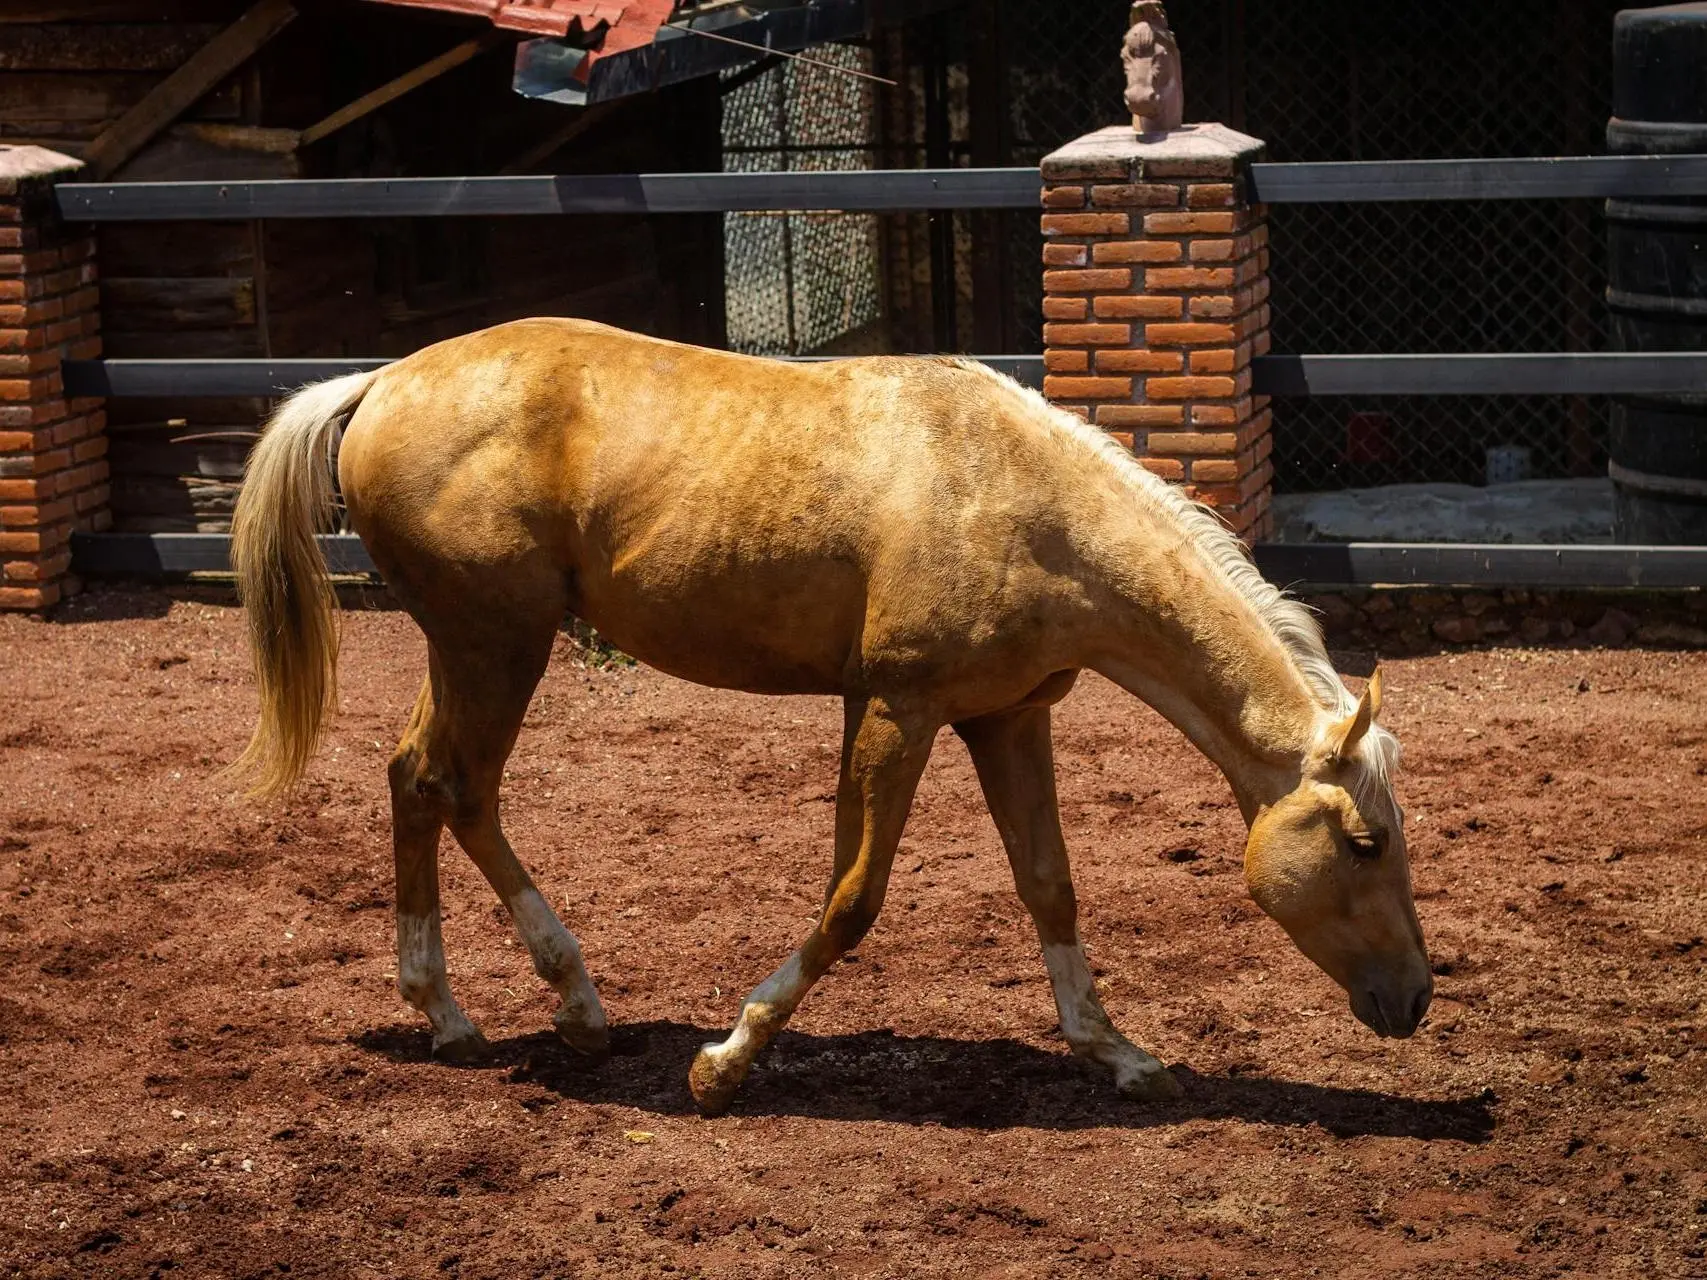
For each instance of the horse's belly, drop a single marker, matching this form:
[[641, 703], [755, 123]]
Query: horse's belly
[[782, 631]]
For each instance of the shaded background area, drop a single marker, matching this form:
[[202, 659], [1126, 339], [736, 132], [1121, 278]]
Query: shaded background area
[[994, 83]]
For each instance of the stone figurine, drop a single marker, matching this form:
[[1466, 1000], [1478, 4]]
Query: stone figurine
[[1154, 94]]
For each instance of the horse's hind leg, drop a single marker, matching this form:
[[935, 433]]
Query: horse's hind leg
[[580, 1018], [480, 684], [489, 689], [1016, 768], [415, 826], [883, 755]]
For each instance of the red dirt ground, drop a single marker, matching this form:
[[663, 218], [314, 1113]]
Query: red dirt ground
[[208, 1071]]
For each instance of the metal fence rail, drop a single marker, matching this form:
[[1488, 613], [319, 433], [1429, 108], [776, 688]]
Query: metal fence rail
[[1569, 373], [1565, 373], [1530, 178], [891, 190], [1559, 373], [280, 377], [1292, 565]]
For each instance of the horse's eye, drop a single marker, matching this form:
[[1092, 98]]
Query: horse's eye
[[1364, 846]]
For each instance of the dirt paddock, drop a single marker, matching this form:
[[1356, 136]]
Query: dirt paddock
[[207, 1069]]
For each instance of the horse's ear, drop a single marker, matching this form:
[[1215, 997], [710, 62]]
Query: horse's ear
[[1345, 736]]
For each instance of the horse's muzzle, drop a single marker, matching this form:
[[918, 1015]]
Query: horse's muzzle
[[1395, 1011]]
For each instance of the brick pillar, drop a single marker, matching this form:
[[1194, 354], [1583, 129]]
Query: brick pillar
[[1155, 300], [53, 468]]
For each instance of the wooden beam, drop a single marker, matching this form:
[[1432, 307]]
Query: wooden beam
[[174, 95], [244, 137], [405, 83]]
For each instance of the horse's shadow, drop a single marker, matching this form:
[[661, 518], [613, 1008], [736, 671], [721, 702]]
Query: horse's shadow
[[923, 1080]]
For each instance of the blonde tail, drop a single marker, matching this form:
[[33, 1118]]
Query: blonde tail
[[281, 576]]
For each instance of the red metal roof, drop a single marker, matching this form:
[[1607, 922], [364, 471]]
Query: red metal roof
[[623, 24]]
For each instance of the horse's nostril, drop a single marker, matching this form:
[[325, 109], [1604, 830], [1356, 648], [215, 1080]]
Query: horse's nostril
[[1367, 1006], [1419, 1006]]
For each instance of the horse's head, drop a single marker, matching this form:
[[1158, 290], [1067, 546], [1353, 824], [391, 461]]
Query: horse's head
[[1327, 861]]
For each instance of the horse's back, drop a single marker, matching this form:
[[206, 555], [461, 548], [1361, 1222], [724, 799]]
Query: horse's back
[[722, 517]]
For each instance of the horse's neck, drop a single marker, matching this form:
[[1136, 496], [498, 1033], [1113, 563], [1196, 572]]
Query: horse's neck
[[1183, 638]]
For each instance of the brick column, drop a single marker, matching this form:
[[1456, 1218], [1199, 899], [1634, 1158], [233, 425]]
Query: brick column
[[53, 468], [1155, 300]]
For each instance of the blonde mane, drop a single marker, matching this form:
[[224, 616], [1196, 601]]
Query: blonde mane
[[1289, 621]]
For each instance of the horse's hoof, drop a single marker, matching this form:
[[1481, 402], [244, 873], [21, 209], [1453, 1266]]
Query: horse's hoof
[[588, 1041], [712, 1082], [464, 1046], [1154, 1085]]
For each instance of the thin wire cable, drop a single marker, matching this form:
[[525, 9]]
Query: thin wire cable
[[795, 57]]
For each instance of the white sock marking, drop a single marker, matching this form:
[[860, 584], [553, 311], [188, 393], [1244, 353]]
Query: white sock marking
[[1070, 977], [556, 954], [421, 974]]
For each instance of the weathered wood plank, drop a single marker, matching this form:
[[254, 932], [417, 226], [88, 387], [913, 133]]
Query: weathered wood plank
[[185, 499], [231, 343], [210, 459], [177, 249], [187, 525], [44, 101], [176, 415], [67, 140], [101, 46], [143, 304], [242, 137], [321, 280], [186, 152], [174, 95], [29, 12]]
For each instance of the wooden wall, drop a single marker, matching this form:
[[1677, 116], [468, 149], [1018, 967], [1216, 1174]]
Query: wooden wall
[[327, 287]]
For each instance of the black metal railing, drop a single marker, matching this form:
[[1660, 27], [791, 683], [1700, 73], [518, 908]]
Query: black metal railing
[[921, 189]]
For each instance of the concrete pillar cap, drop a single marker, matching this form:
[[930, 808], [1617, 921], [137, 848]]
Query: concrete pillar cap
[[1191, 150], [27, 163]]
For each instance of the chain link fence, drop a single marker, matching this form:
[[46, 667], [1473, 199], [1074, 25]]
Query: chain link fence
[[1521, 78], [802, 283]]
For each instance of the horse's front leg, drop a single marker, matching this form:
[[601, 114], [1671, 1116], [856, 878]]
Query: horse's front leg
[[1016, 768], [883, 754]]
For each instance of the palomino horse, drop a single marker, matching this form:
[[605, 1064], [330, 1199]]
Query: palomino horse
[[923, 537]]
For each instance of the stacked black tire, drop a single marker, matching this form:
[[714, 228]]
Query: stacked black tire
[[1657, 273]]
